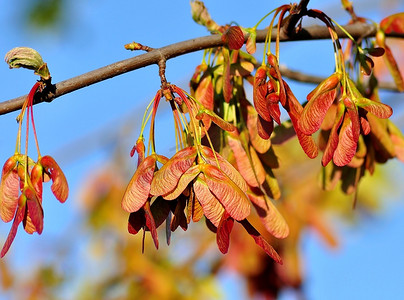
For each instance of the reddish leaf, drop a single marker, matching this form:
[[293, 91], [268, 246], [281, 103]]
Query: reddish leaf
[[150, 224], [19, 215], [59, 186], [140, 149], [9, 190], [333, 138], [229, 194], [205, 93], [260, 241], [315, 111], [272, 100], [35, 210], [225, 166], [354, 116], [258, 143], [166, 179], [138, 190], [251, 45], [269, 215], [179, 218], [233, 37], [185, 179], [223, 233], [248, 164], [294, 109], [380, 110], [212, 208], [393, 23], [259, 93], [347, 144], [320, 100], [264, 128]]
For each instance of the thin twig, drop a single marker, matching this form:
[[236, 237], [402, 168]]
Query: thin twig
[[171, 51]]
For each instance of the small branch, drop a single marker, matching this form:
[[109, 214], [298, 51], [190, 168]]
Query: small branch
[[171, 51], [307, 78]]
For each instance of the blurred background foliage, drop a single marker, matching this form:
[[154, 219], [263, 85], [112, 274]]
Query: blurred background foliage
[[113, 266]]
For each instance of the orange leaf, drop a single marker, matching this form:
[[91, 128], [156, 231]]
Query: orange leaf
[[212, 208], [59, 186], [269, 215], [229, 194], [205, 93], [138, 190], [260, 241], [166, 179]]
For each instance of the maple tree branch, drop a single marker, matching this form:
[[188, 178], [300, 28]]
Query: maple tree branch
[[359, 30]]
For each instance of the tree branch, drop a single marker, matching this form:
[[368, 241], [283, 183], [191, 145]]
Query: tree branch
[[359, 30]]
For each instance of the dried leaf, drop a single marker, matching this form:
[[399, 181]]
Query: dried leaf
[[258, 143]]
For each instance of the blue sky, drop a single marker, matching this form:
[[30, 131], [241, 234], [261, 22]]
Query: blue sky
[[369, 263]]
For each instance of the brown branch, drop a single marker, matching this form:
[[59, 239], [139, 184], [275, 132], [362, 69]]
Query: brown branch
[[359, 30]]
